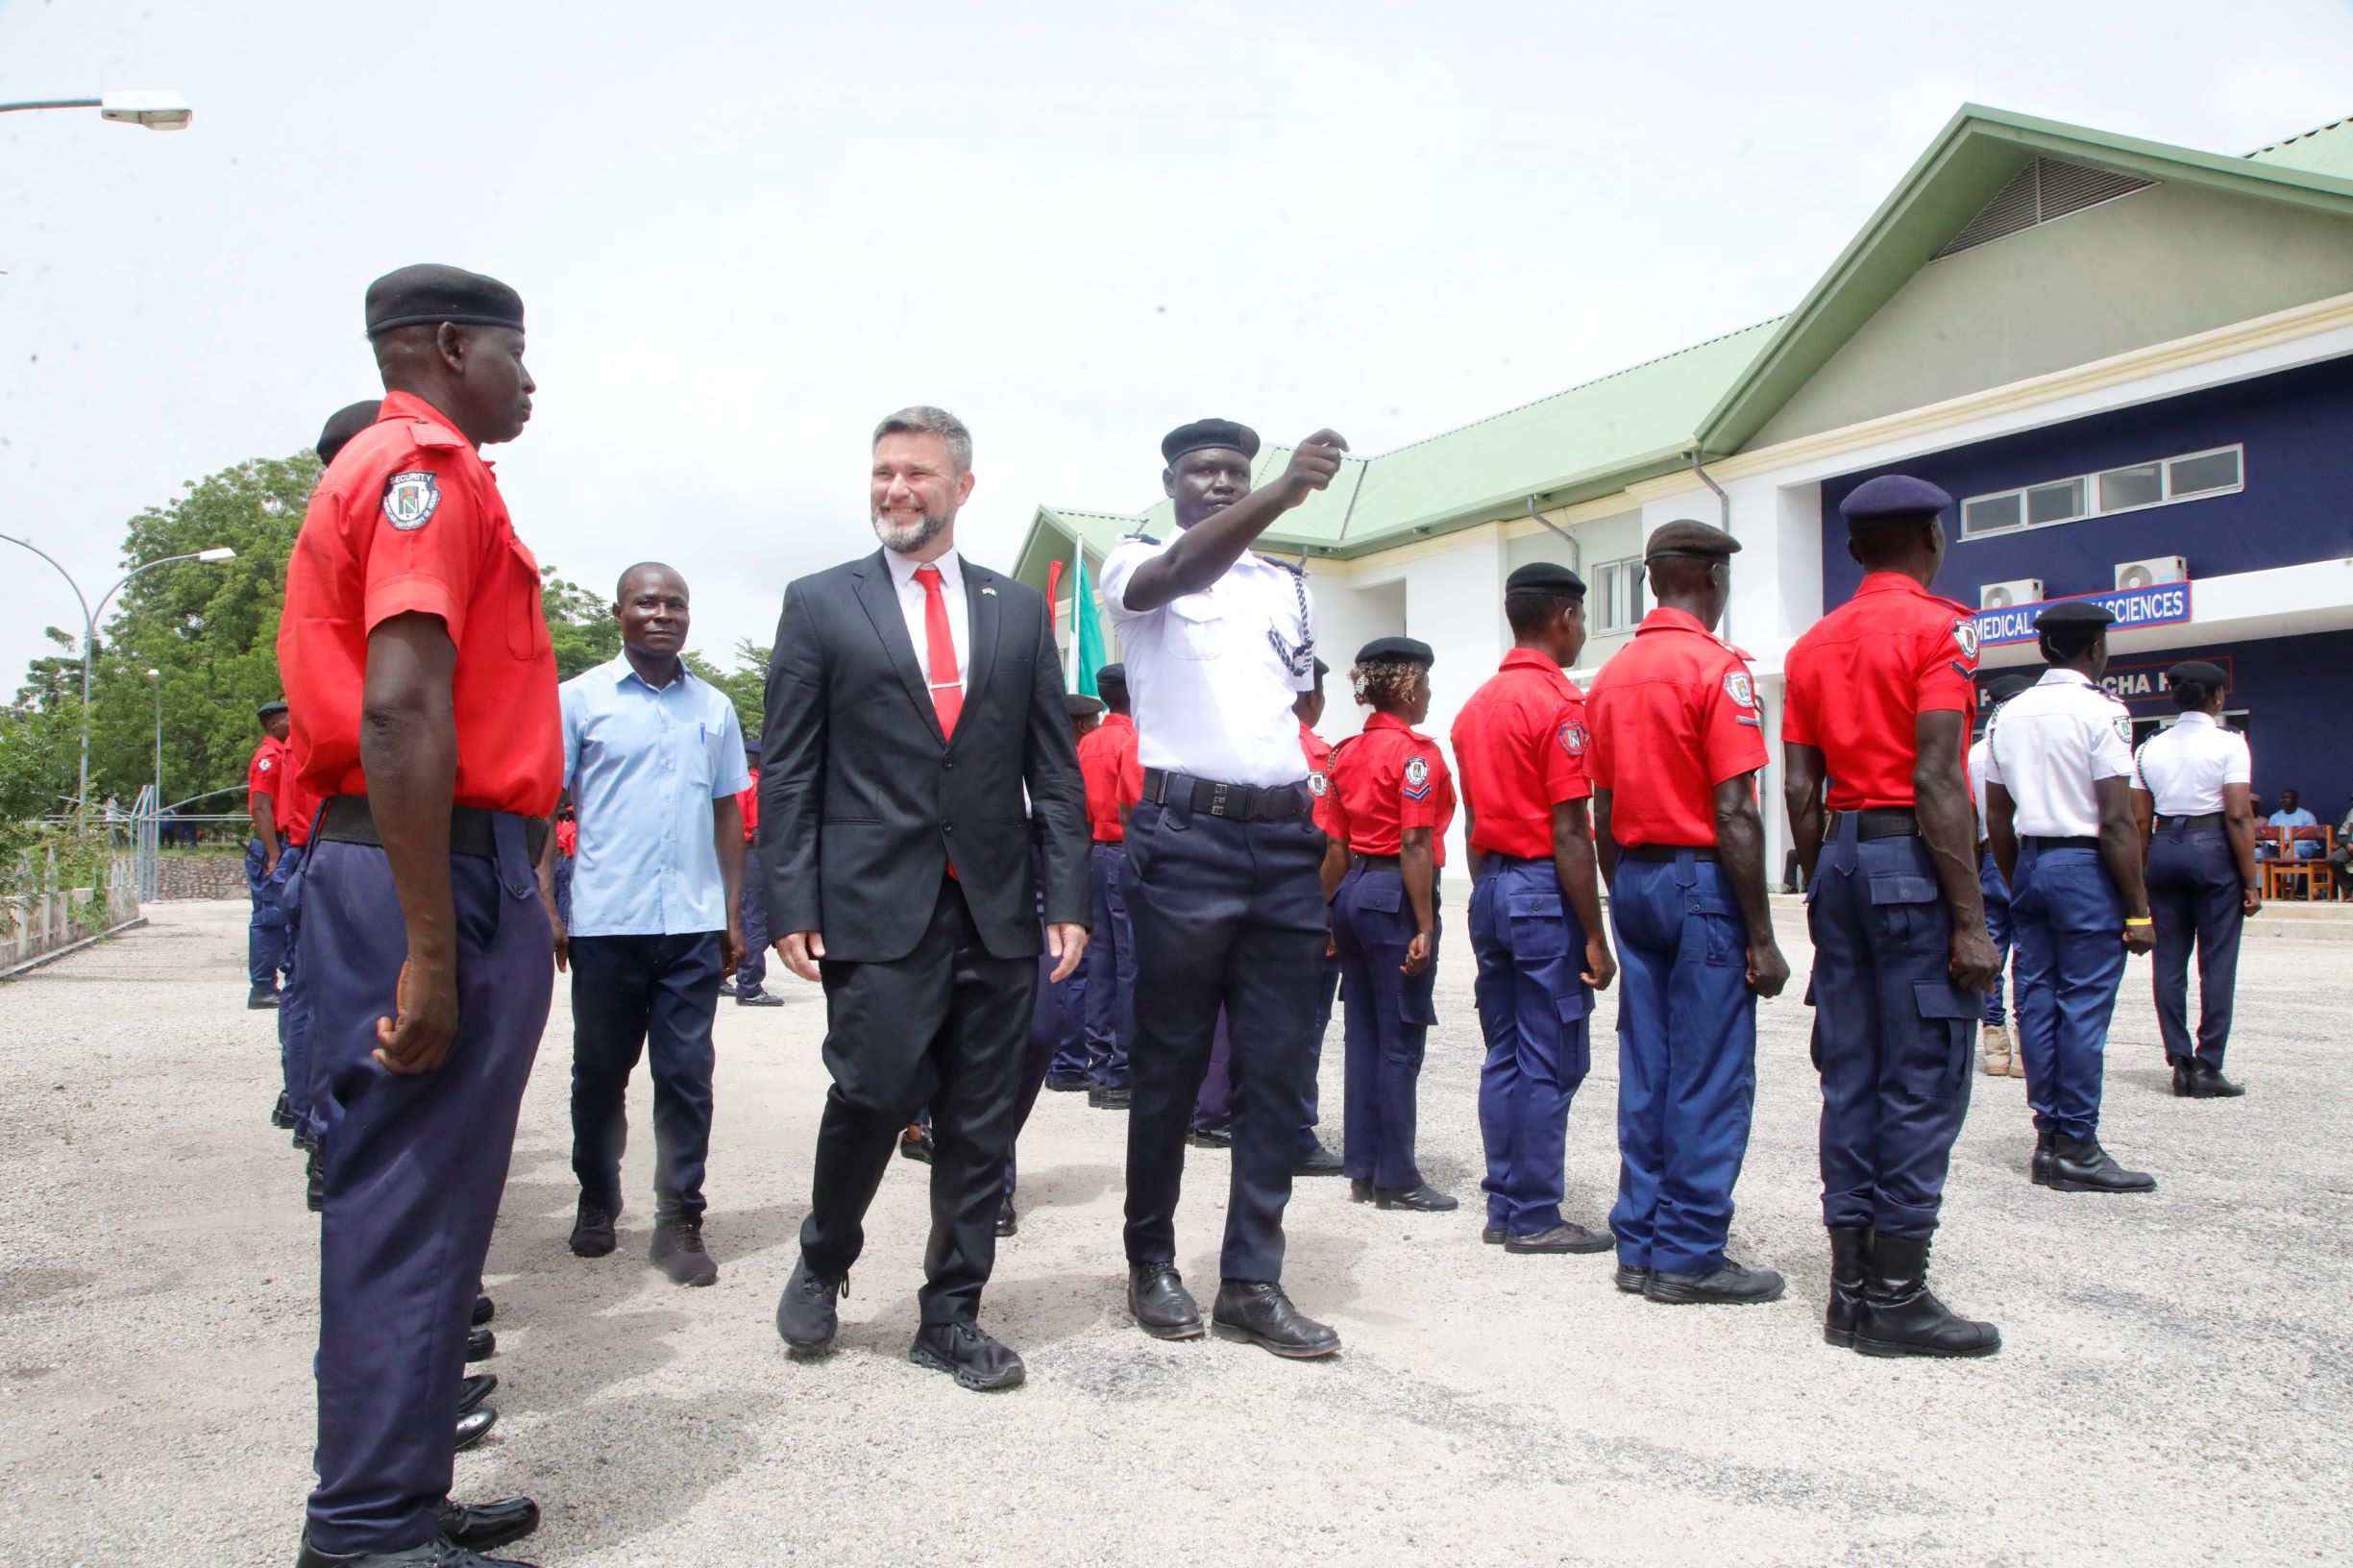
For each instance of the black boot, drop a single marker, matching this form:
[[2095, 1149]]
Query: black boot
[[1901, 1316], [314, 1180], [2181, 1075], [2207, 1083], [281, 1115], [2082, 1165], [1257, 1312], [1850, 1264], [2040, 1166]]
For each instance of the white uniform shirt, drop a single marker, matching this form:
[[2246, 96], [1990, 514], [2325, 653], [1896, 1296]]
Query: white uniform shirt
[[2055, 739], [911, 599], [1212, 677], [2184, 768], [1977, 754]]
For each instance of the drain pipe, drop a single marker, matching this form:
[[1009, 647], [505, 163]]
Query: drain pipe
[[1577, 553], [1724, 506]]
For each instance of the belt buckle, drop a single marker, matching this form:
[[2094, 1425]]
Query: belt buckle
[[1217, 799]]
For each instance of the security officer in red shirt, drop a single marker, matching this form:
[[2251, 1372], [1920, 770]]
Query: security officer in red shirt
[[1882, 692], [1387, 809], [1107, 762], [1676, 742], [748, 984], [424, 689], [265, 934], [1520, 743]]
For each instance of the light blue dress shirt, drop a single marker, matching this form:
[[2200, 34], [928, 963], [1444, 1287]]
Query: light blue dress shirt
[[645, 767]]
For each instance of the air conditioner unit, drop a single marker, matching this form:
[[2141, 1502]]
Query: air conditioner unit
[[2155, 570], [2005, 595]]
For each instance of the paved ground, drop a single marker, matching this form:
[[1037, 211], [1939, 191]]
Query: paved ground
[[2175, 1388]]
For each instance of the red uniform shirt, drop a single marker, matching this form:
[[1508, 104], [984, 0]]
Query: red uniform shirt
[[1521, 742], [750, 800], [1674, 714], [409, 520], [266, 773], [1109, 763], [1388, 780], [567, 836], [294, 802], [1318, 752], [1862, 675]]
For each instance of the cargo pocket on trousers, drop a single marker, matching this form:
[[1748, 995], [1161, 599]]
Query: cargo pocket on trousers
[[1538, 931], [1575, 1039], [1418, 1003], [1384, 896], [1949, 1017], [1726, 933], [1906, 908]]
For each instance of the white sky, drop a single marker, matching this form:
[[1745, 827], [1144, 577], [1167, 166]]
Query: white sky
[[745, 231]]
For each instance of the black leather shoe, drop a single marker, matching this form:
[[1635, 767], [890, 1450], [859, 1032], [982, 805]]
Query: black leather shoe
[[281, 1114], [1008, 1223], [1424, 1199], [1901, 1316], [1320, 1161], [1561, 1237], [1070, 1083], [472, 1390], [314, 1181], [2039, 1167], [1492, 1235], [1257, 1312], [760, 998], [914, 1143], [1631, 1280], [475, 1425], [1161, 1305], [1360, 1190], [678, 1250], [805, 1313], [2207, 1083], [261, 1001], [480, 1344], [1728, 1285], [1849, 1268], [2181, 1075], [967, 1352], [2084, 1166], [484, 1308], [592, 1230], [433, 1554], [478, 1527], [1111, 1099], [1211, 1137]]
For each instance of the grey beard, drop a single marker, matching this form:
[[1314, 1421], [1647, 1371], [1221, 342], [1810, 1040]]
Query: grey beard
[[908, 540]]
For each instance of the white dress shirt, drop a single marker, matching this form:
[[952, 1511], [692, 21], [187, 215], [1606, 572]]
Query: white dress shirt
[[1977, 754], [911, 601], [1212, 677], [2184, 768], [2054, 740]]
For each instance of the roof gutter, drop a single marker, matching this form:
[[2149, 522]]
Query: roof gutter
[[1724, 506], [1577, 553]]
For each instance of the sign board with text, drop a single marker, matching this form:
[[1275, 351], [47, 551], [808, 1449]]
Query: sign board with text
[[2159, 604]]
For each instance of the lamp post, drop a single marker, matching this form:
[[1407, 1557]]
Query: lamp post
[[157, 675], [155, 108], [89, 630]]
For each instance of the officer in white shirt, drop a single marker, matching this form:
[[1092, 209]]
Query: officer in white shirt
[[2059, 814], [1227, 904], [1995, 1055], [2190, 796]]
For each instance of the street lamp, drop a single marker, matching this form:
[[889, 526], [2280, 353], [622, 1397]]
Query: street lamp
[[89, 628], [157, 675], [155, 108]]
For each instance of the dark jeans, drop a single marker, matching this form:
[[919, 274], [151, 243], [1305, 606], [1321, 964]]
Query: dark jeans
[[649, 995]]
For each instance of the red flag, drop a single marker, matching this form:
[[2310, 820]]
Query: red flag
[[1053, 581]]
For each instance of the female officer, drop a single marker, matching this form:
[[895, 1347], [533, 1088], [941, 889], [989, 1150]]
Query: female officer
[[1387, 803]]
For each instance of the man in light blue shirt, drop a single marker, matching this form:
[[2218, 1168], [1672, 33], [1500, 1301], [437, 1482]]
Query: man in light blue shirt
[[653, 757], [2291, 814]]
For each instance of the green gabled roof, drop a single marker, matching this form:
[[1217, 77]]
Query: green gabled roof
[[1968, 165], [1051, 532], [2326, 150]]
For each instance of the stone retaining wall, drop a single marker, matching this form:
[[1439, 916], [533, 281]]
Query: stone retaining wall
[[200, 876]]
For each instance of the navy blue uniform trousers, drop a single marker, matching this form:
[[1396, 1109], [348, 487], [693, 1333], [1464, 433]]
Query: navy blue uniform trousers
[[2068, 921], [1110, 969], [651, 996], [294, 1004], [265, 934], [751, 974], [2194, 893], [1387, 1026], [415, 1165], [1227, 914], [1890, 1031], [1535, 1014], [1686, 1061], [1996, 895]]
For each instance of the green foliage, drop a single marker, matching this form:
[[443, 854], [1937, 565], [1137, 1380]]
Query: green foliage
[[579, 623], [746, 685]]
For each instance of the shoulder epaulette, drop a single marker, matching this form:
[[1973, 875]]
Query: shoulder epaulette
[[1292, 567], [1140, 534]]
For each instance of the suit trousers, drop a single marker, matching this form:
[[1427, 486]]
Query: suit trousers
[[2193, 892], [945, 1026], [415, 1166], [1535, 1014], [751, 974], [1227, 914], [648, 995], [2070, 959]]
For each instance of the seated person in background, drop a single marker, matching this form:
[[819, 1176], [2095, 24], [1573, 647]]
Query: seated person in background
[[2341, 858], [2291, 814]]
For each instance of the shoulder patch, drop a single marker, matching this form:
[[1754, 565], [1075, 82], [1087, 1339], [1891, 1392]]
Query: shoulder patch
[[1965, 634], [1573, 738], [265, 765], [1318, 785], [411, 497], [1738, 687], [2124, 727], [1418, 778]]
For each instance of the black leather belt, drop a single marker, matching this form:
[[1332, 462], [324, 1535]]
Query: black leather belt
[[2045, 845], [1378, 863], [1236, 803], [347, 820], [1881, 822], [2211, 819], [1667, 851]]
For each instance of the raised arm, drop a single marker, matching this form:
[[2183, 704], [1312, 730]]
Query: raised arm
[[1207, 551]]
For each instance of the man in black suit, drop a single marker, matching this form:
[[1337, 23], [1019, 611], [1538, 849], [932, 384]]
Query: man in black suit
[[911, 698]]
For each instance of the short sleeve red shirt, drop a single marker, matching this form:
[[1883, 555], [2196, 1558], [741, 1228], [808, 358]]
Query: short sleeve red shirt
[[1674, 714], [265, 774], [748, 802], [1520, 743], [409, 521], [1388, 780], [1107, 763], [1318, 752], [1861, 676]]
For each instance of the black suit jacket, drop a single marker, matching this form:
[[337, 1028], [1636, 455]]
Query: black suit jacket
[[861, 799]]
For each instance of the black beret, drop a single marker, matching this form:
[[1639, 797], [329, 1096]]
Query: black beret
[[2074, 615], [1891, 499], [2197, 672], [1397, 650], [1697, 540], [427, 294], [345, 423], [1545, 578], [1116, 674], [751, 749], [268, 708], [2005, 687], [1078, 705], [1222, 433]]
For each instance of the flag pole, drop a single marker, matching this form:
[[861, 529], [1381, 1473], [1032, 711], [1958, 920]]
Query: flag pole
[[1078, 579]]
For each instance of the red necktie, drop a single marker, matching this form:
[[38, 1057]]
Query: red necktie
[[940, 652]]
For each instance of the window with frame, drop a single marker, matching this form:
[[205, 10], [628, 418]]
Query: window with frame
[[1617, 601], [2133, 487]]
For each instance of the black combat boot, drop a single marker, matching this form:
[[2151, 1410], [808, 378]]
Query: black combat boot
[[2082, 1165], [1850, 1261], [1901, 1316]]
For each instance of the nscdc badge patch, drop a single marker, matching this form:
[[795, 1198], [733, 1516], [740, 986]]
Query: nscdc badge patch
[[2124, 727], [1573, 738], [1965, 633], [1317, 784], [411, 499], [1418, 778], [1737, 687]]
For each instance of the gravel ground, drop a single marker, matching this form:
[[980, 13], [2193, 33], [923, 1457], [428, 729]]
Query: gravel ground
[[2174, 1387]]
